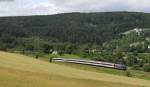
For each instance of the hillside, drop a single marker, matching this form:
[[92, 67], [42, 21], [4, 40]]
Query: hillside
[[21, 71], [132, 38], [103, 36], [76, 28]]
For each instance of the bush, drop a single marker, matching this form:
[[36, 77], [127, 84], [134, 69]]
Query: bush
[[128, 74], [136, 67], [3, 47], [146, 67]]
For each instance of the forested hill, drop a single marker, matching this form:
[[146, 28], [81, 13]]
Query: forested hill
[[72, 27]]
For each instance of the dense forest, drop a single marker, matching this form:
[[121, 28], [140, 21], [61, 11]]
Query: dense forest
[[80, 33], [94, 28]]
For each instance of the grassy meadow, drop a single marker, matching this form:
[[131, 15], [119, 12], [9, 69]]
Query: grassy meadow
[[22, 71], [134, 73]]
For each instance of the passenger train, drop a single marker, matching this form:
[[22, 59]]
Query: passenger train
[[92, 63]]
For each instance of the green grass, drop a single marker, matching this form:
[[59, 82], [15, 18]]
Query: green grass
[[135, 73], [63, 56], [69, 56], [21, 71]]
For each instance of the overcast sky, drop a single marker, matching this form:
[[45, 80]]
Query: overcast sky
[[44, 7]]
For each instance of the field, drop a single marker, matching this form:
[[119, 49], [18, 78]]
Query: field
[[21, 71], [134, 73]]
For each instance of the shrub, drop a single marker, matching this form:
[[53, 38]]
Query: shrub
[[128, 74], [136, 67], [146, 67]]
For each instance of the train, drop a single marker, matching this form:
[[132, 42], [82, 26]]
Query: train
[[92, 63]]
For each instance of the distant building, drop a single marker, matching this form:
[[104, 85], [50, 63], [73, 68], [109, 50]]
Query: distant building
[[55, 52], [148, 46], [97, 50], [138, 30]]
